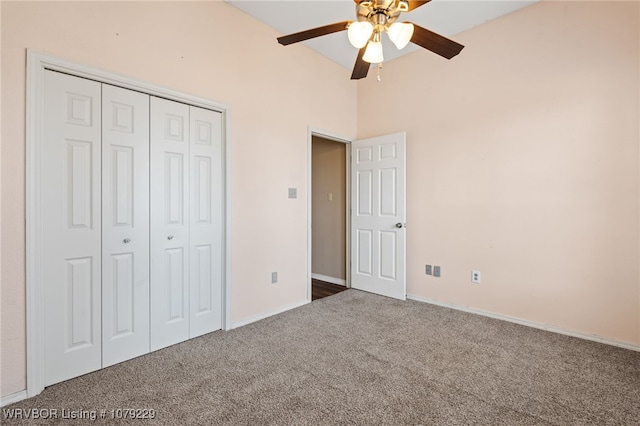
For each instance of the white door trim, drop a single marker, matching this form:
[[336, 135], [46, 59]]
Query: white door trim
[[314, 131], [36, 64]]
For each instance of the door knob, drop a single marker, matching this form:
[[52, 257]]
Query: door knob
[[399, 225], [170, 237], [126, 241]]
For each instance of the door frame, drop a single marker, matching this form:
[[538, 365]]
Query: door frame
[[37, 63], [314, 131]]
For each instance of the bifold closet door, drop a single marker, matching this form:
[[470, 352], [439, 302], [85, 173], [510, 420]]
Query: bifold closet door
[[186, 222], [125, 224], [71, 211], [132, 207], [169, 223], [206, 221]]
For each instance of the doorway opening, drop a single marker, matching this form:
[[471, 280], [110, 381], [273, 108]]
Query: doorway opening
[[329, 199]]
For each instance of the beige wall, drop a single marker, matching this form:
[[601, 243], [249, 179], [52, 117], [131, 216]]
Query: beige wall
[[523, 163], [523, 157], [211, 50], [328, 170]]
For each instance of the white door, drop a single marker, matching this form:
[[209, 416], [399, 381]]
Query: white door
[[378, 235], [169, 222], [125, 224], [206, 221], [71, 226], [132, 217]]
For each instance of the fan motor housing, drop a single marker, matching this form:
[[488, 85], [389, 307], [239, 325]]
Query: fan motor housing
[[378, 12]]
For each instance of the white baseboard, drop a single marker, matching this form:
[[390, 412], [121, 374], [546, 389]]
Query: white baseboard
[[247, 321], [328, 279], [14, 397], [541, 326]]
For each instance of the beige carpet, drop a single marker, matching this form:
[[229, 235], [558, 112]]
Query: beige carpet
[[360, 359]]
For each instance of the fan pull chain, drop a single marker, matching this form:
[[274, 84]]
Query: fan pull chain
[[379, 68]]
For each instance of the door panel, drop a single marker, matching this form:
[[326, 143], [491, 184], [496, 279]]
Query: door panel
[[124, 296], [202, 189], [202, 279], [125, 224], [378, 195], [79, 191], [206, 221], [71, 226], [79, 289], [175, 276], [388, 202], [174, 191], [364, 199], [170, 235], [364, 248], [388, 245]]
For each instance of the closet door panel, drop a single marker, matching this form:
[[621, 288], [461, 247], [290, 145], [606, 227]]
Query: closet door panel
[[125, 224], [206, 221], [71, 226], [169, 223]]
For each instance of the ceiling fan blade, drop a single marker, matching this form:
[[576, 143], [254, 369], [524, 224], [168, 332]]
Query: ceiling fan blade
[[416, 4], [313, 33], [361, 68], [413, 4], [435, 42]]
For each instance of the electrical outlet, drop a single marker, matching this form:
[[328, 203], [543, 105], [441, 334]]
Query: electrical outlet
[[274, 277], [436, 271], [293, 193], [427, 269], [475, 277]]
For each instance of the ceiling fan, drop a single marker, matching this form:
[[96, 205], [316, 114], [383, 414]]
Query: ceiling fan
[[373, 18]]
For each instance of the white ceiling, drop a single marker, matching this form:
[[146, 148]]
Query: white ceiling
[[445, 17]]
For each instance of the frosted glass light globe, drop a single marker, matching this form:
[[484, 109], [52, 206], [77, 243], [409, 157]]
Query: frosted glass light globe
[[373, 54], [359, 33], [400, 34]]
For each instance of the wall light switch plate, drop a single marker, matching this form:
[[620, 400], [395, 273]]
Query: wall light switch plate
[[427, 269], [274, 277], [293, 193], [436, 271]]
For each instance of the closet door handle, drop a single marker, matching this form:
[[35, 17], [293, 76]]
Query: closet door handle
[[126, 240], [170, 237]]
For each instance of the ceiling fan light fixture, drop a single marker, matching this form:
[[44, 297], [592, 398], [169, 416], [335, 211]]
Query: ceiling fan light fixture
[[373, 54], [372, 18], [359, 33], [400, 34]]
